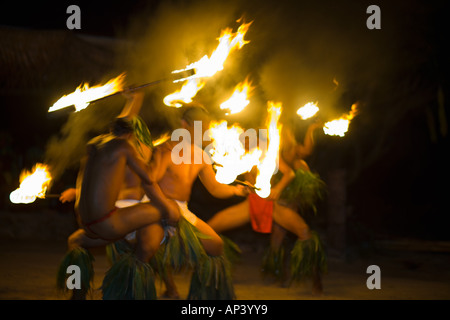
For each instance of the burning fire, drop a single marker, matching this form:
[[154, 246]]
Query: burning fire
[[32, 185], [339, 126], [239, 98], [185, 94], [229, 152], [207, 67], [161, 140], [268, 166], [308, 110], [84, 94]]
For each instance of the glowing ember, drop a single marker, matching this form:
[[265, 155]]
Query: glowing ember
[[239, 98], [207, 67], [339, 126], [308, 110], [229, 152], [268, 166], [32, 185], [161, 140], [84, 94]]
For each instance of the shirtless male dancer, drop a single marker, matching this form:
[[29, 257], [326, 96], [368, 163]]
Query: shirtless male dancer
[[284, 215], [176, 179], [100, 179]]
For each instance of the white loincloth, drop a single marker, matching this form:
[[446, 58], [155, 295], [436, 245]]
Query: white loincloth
[[124, 203], [187, 214]]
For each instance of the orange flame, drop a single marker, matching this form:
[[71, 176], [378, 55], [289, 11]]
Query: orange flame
[[239, 99], [161, 140], [207, 67], [309, 110], [340, 126], [84, 94], [229, 152], [268, 166], [32, 185]]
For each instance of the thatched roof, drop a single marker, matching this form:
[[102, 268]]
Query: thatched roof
[[40, 59]]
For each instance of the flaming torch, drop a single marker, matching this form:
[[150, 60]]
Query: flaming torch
[[229, 152], [84, 95], [207, 67], [239, 99], [267, 167], [339, 126], [309, 110], [32, 185]]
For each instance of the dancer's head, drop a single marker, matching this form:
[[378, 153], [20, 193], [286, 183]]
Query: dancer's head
[[122, 127]]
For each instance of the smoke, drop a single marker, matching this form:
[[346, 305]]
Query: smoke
[[298, 52], [65, 150]]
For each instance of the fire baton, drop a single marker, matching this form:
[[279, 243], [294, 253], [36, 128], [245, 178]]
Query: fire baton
[[176, 76], [52, 195], [247, 184], [243, 183]]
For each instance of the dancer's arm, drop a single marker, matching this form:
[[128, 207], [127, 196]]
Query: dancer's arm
[[133, 105], [288, 176], [151, 187], [68, 195], [306, 149], [219, 190]]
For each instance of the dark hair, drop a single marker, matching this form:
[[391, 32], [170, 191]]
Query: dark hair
[[121, 126], [194, 112]]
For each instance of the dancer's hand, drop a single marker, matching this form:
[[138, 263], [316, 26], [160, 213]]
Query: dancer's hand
[[274, 194], [173, 212], [241, 191], [68, 195]]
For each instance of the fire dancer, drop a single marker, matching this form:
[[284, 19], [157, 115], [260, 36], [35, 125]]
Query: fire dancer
[[99, 183], [277, 212], [300, 195], [176, 181]]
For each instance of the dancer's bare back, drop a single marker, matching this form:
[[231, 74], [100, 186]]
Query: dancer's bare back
[[102, 174]]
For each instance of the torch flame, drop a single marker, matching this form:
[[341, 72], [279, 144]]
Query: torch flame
[[268, 166], [229, 152], [339, 126], [207, 67], [161, 139], [32, 185], [84, 94], [185, 94], [308, 110], [239, 98]]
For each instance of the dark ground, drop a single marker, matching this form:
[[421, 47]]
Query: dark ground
[[28, 267]]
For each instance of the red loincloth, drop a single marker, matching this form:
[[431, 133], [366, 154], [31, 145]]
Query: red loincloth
[[260, 213]]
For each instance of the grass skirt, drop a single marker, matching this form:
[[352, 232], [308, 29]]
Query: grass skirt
[[184, 249], [273, 262], [84, 260], [129, 279], [230, 249], [211, 280], [307, 257], [305, 190]]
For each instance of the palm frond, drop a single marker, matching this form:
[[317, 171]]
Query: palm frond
[[211, 280], [129, 279], [84, 260], [307, 257]]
